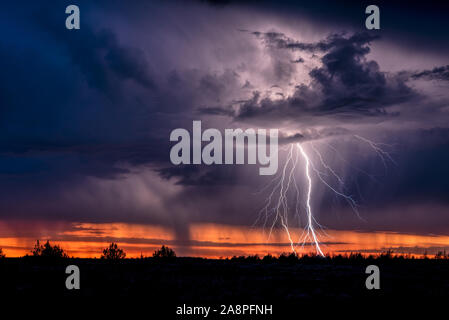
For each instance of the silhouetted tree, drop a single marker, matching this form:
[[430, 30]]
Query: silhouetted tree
[[2, 255], [47, 250], [164, 252], [441, 255], [288, 257], [113, 252], [268, 258]]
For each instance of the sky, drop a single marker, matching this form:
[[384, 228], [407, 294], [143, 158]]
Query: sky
[[86, 116]]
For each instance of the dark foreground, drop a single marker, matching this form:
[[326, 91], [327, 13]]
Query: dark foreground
[[193, 281]]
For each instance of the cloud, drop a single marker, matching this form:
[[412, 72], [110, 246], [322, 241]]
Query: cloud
[[196, 175], [347, 84], [281, 41], [299, 60], [437, 73], [99, 56]]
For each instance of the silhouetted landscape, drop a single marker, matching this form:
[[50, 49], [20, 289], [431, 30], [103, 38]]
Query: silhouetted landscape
[[165, 277]]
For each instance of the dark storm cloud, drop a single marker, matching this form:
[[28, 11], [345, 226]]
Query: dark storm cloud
[[281, 41], [97, 53], [85, 116], [347, 84], [299, 60], [74, 105], [83, 99], [216, 111], [438, 73], [103, 61], [195, 175]]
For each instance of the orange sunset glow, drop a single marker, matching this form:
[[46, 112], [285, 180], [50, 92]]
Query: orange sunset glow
[[86, 240]]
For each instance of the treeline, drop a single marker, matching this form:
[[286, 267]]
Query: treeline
[[292, 257], [112, 252]]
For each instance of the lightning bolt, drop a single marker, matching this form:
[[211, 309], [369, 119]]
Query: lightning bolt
[[279, 207], [284, 184], [383, 155], [310, 228]]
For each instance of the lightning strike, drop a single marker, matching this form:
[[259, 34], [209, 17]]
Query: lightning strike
[[310, 229], [285, 185], [383, 155]]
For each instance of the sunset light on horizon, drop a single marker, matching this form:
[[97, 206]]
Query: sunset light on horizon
[[214, 241]]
